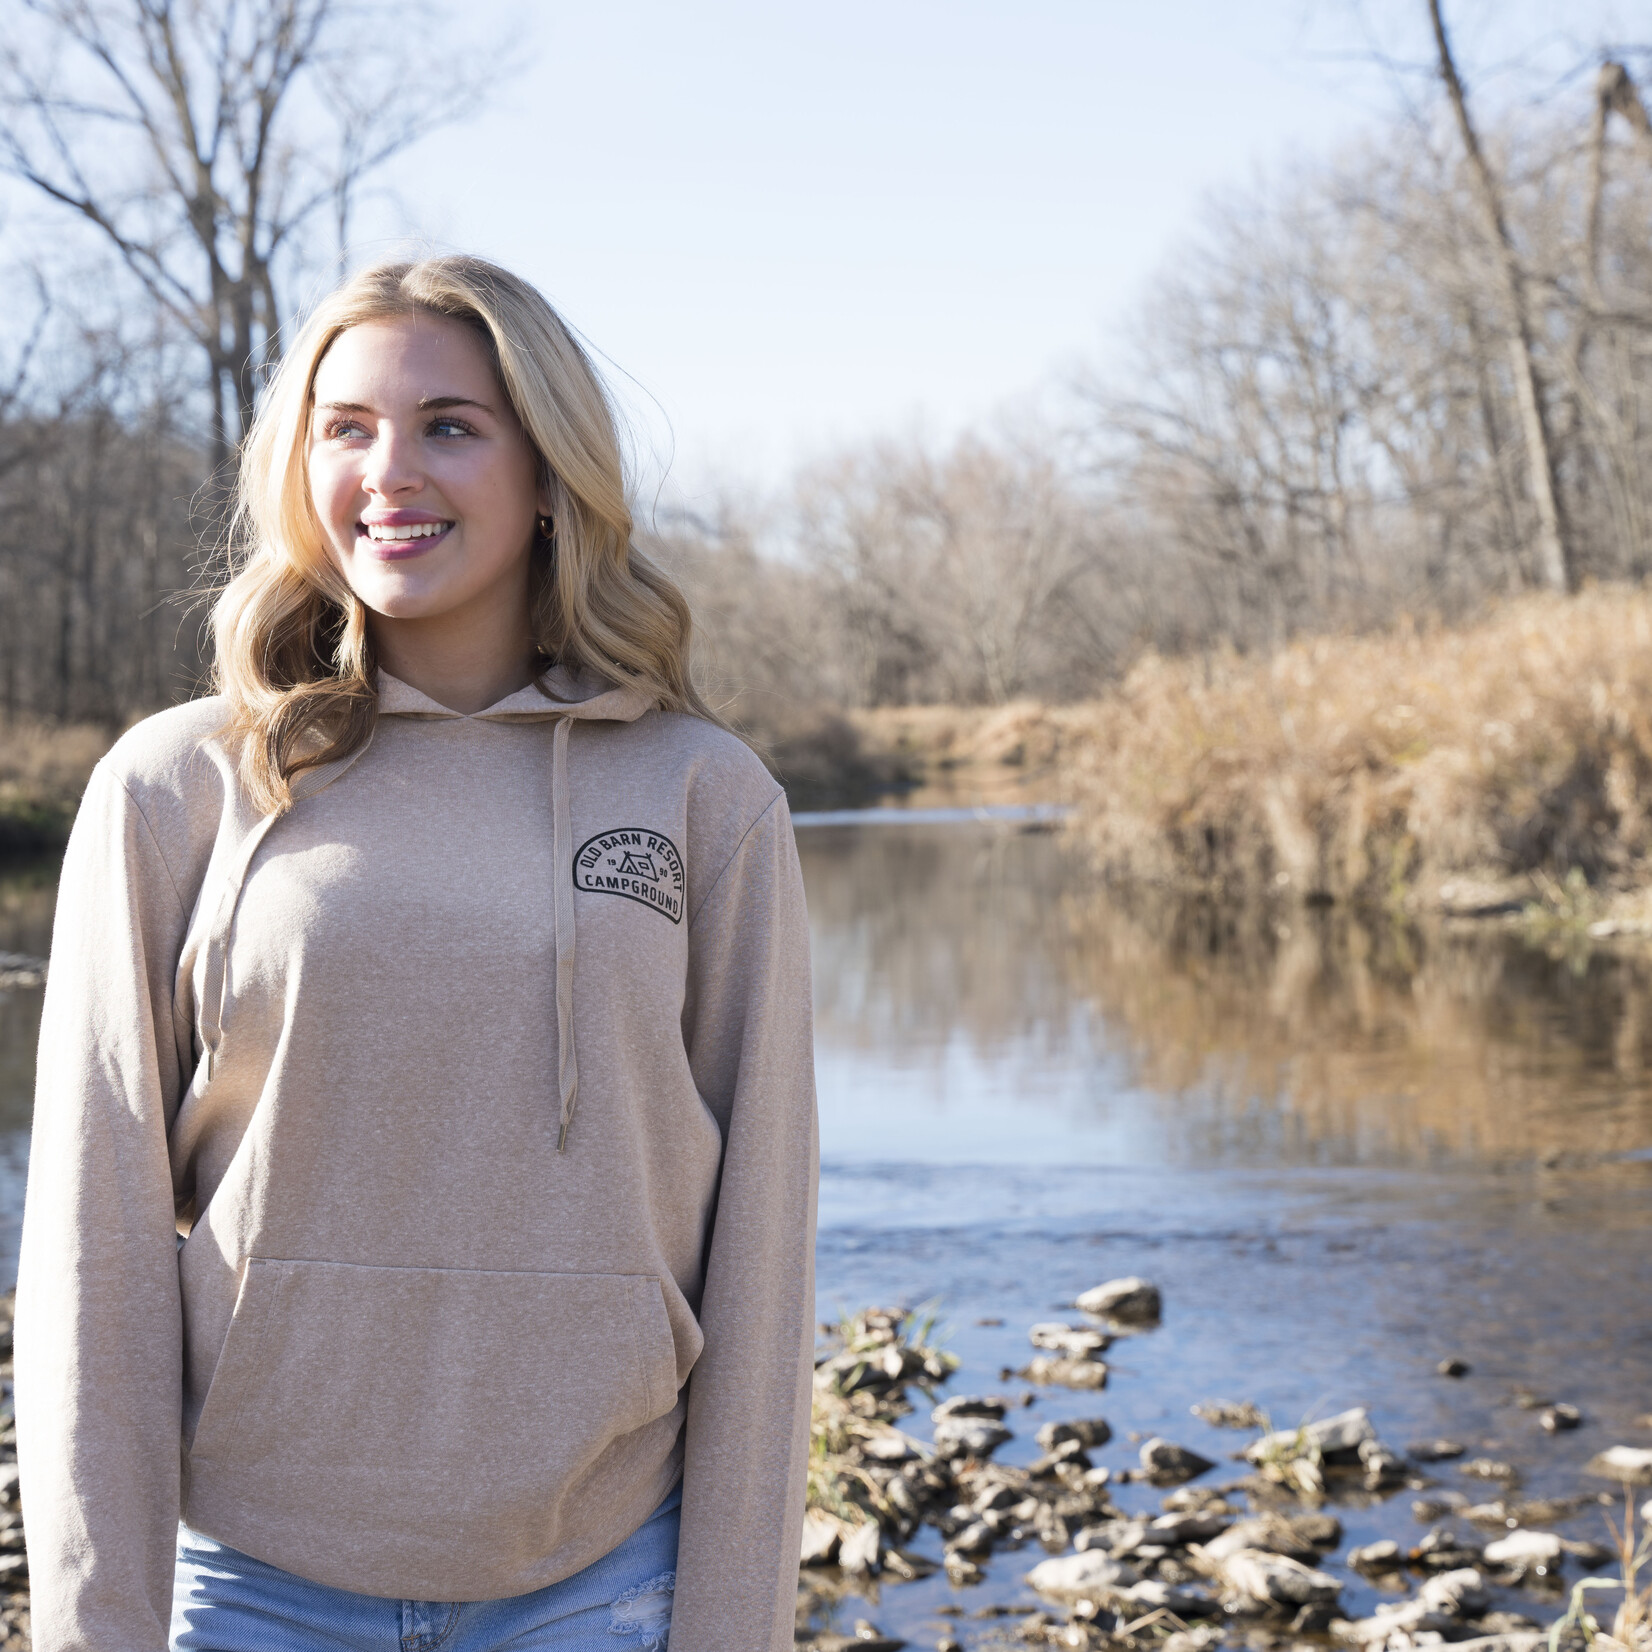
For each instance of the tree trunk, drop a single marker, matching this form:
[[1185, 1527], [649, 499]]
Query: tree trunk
[[1553, 561]]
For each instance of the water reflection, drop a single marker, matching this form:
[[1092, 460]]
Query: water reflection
[[980, 998], [27, 895]]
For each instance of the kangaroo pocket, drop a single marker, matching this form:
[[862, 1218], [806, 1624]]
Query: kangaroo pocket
[[432, 1383]]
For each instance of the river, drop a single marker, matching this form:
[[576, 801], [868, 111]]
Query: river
[[1345, 1152]]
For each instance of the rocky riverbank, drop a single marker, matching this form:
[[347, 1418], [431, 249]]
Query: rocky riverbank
[[1054, 1558]]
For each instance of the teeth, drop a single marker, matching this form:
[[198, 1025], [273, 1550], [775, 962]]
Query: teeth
[[413, 530]]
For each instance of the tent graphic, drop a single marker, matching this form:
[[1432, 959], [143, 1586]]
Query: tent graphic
[[638, 866]]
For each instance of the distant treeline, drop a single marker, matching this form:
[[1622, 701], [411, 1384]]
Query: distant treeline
[[99, 550], [1317, 426], [1323, 419]]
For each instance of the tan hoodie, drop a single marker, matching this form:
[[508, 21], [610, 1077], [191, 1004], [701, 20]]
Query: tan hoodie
[[409, 1347]]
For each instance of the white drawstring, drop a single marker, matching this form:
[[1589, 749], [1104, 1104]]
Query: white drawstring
[[562, 908]]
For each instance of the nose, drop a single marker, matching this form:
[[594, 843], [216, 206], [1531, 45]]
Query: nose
[[391, 469]]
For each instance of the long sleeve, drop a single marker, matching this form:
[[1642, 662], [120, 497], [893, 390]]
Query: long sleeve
[[99, 1327], [748, 1021]]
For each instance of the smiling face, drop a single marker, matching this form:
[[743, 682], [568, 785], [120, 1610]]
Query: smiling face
[[421, 474]]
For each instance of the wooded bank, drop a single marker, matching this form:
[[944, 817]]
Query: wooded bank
[[1466, 769]]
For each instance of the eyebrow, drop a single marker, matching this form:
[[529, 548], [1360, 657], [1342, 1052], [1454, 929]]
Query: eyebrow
[[425, 404]]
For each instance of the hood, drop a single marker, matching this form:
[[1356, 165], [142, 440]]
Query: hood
[[581, 696]]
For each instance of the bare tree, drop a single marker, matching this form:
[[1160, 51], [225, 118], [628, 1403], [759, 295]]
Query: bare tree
[[201, 140], [1553, 562]]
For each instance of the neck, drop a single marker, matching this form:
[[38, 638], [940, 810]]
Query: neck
[[452, 664]]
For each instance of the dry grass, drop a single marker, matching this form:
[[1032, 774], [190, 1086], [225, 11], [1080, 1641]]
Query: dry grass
[[43, 770], [1469, 764], [1374, 768]]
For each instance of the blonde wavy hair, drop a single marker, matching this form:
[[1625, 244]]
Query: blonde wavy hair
[[293, 651]]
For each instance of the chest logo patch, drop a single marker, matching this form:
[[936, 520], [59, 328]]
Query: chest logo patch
[[634, 862]]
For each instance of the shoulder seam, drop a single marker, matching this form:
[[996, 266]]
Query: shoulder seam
[[734, 854], [160, 853]]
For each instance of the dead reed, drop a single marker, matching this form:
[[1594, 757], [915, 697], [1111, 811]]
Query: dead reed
[[44, 768], [1373, 768], [1471, 763]]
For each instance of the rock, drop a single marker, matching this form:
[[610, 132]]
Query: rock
[[1382, 1466], [1453, 1367], [1219, 1414], [1164, 1461], [1085, 1431], [1631, 1465], [1270, 1533], [1444, 1502], [1118, 1538], [1088, 1576], [1196, 1500], [1523, 1548], [1558, 1418], [1069, 1454], [909, 1567], [1324, 1531], [870, 1638], [1177, 1530], [1201, 1638], [1338, 1436], [1491, 1468], [1592, 1555], [1261, 1576], [961, 1571], [1076, 1341], [1070, 1373], [1383, 1556], [1521, 1640], [1395, 1625], [1435, 1451], [908, 1493], [969, 1436], [858, 1552], [1458, 1594], [889, 1445], [1506, 1623], [996, 1496], [1152, 1595], [822, 1534], [975, 1540], [971, 1405], [1435, 1611], [1444, 1550], [1132, 1301]]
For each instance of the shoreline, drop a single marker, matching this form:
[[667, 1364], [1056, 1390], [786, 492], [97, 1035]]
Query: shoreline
[[1173, 1552], [1496, 770]]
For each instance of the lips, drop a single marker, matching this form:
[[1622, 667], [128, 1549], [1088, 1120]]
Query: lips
[[400, 535]]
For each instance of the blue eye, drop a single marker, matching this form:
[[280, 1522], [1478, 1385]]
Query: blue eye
[[449, 428]]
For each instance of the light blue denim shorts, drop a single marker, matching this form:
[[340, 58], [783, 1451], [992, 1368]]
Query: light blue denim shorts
[[225, 1601]]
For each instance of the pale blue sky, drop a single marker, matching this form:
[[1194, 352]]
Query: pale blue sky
[[794, 227], [798, 226]]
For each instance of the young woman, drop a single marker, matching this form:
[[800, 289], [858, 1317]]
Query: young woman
[[422, 1190]]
